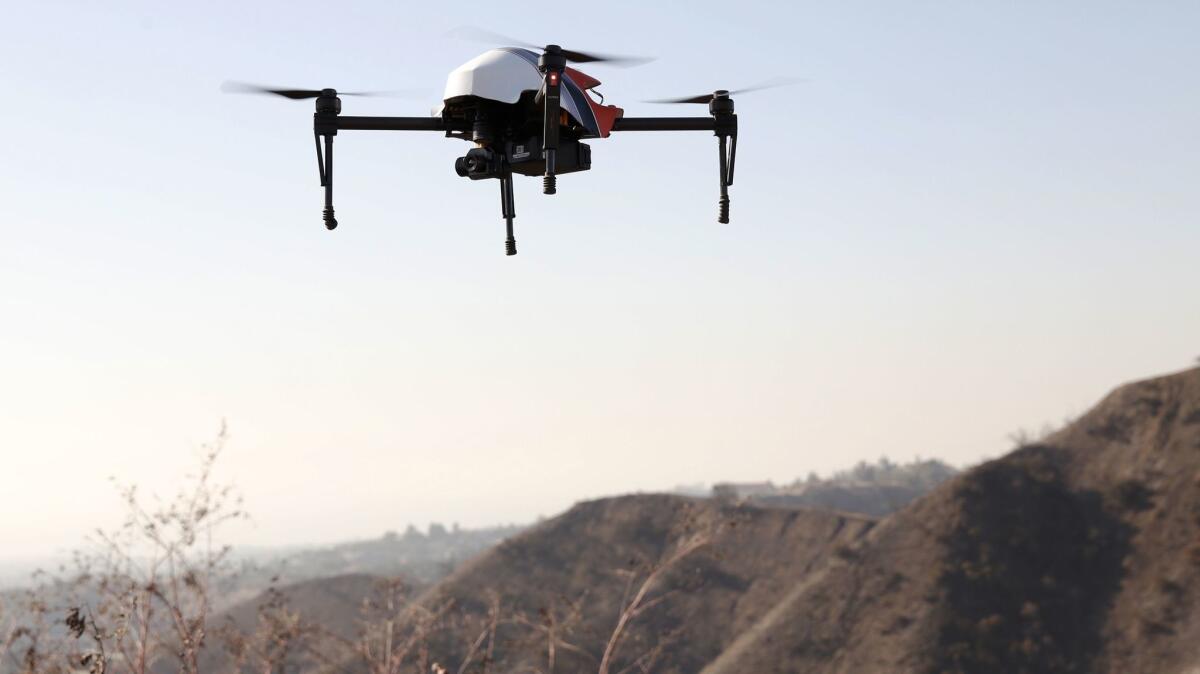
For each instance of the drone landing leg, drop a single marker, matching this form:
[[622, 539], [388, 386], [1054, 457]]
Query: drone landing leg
[[551, 63], [509, 210], [726, 179], [327, 181]]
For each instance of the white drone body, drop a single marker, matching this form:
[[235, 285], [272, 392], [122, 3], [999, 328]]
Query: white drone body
[[504, 75], [500, 75]]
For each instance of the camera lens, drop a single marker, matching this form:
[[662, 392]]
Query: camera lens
[[479, 163]]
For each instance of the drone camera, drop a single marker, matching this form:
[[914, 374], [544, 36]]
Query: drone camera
[[478, 164]]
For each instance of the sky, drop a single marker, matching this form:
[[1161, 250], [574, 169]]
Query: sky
[[970, 218]]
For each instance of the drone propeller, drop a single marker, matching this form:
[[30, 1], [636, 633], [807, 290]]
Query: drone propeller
[[475, 34], [302, 94], [706, 98]]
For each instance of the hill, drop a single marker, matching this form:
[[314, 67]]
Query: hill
[[420, 558], [1079, 554], [717, 569], [709, 570]]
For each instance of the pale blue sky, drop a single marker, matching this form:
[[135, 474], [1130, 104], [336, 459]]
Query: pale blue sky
[[972, 217]]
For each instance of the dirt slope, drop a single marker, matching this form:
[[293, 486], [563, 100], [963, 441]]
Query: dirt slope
[[332, 602], [1080, 554], [572, 572]]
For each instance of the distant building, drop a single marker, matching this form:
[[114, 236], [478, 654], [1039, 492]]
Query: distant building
[[696, 489], [731, 491]]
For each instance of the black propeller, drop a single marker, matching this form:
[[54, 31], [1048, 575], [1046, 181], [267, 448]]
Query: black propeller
[[488, 37], [301, 94], [707, 98]]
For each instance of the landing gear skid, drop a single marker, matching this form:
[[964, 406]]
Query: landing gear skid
[[508, 210]]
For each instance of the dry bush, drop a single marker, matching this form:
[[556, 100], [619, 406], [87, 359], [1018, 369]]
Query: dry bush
[[31, 644], [555, 624], [139, 595], [393, 634], [636, 602], [279, 637]]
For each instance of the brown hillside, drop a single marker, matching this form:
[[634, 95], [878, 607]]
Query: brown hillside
[[573, 571], [333, 603], [1080, 554]]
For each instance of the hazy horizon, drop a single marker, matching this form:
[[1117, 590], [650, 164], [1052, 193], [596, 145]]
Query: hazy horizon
[[968, 220]]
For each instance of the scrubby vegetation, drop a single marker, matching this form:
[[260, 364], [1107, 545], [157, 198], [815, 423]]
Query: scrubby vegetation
[[1030, 571]]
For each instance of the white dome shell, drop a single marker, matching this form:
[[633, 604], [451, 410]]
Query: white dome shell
[[497, 75]]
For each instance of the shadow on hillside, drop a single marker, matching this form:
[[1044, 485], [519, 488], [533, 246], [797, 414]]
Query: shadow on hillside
[[1031, 570]]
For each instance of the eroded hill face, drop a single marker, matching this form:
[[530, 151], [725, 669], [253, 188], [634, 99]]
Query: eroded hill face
[[1140, 448], [1078, 555], [573, 576]]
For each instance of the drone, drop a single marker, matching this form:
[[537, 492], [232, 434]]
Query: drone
[[527, 112]]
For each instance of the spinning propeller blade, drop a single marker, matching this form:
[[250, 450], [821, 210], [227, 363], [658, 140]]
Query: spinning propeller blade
[[705, 98], [301, 94], [475, 34]]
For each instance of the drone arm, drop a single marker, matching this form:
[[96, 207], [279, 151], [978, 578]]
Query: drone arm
[[347, 123], [664, 124]]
